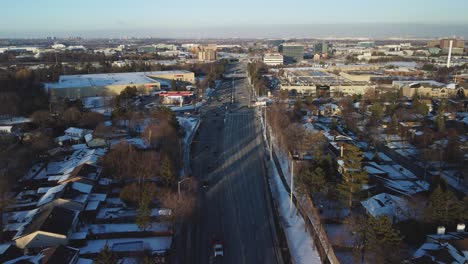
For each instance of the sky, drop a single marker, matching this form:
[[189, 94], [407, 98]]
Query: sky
[[240, 18]]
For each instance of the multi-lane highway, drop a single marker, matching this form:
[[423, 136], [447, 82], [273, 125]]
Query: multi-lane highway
[[228, 155]]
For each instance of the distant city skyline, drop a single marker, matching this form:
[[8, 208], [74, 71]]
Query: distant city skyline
[[242, 18]]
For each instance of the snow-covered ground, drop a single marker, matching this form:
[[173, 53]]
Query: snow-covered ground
[[190, 125], [301, 245]]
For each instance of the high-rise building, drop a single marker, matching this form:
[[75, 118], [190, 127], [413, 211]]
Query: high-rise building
[[457, 43], [458, 46], [322, 47], [292, 53], [325, 47], [207, 52]]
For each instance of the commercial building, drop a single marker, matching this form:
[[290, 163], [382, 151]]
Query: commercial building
[[322, 47], [292, 53], [458, 45], [319, 83], [366, 44], [430, 91], [207, 52], [88, 85], [273, 59]]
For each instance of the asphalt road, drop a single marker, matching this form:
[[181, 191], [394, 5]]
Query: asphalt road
[[228, 154]]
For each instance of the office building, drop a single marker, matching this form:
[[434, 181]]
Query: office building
[[322, 47], [292, 53], [207, 52], [273, 59], [366, 44], [458, 45]]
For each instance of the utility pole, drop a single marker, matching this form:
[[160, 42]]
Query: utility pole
[[267, 132], [292, 186]]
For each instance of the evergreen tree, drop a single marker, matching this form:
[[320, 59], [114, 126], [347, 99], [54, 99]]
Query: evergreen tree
[[464, 211], [143, 216], [382, 241], [174, 85], [106, 256], [353, 177], [166, 171], [376, 113], [311, 181], [443, 207], [440, 121], [419, 107], [393, 125]]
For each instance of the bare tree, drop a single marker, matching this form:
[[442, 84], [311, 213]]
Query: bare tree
[[71, 116], [181, 205]]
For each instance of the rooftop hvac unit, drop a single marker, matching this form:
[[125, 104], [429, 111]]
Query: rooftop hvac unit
[[441, 230]]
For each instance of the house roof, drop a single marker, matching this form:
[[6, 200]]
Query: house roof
[[386, 204], [75, 191], [49, 218], [59, 255], [436, 252], [88, 171], [59, 221]]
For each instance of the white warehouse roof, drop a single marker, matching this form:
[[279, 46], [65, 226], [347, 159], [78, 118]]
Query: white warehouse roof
[[105, 79]]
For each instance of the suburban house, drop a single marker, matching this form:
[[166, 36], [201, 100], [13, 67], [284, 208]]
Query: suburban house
[[71, 195], [77, 133], [50, 226]]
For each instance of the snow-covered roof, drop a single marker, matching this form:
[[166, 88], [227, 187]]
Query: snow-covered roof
[[113, 213], [75, 130], [62, 138], [395, 171], [92, 206], [153, 244], [441, 253], [386, 204], [125, 228], [106, 79], [139, 143], [50, 195], [75, 191], [406, 187]]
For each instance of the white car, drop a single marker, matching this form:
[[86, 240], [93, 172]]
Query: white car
[[218, 250]]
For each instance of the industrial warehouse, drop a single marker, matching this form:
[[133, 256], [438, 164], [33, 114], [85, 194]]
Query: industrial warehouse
[[79, 86]]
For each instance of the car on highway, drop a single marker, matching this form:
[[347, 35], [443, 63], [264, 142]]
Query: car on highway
[[205, 184], [218, 250]]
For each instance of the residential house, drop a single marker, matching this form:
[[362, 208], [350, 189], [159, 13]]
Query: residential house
[[71, 195], [50, 226], [77, 134]]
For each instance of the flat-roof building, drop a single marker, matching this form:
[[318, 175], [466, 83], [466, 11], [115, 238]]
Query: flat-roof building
[[273, 59], [87, 85]]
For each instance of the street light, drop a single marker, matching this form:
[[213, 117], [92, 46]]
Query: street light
[[181, 181]]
